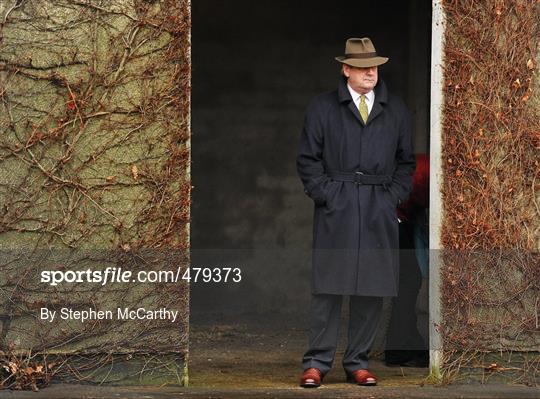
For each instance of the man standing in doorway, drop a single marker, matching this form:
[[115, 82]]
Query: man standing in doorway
[[356, 162]]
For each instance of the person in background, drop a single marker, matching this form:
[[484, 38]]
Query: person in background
[[405, 346]]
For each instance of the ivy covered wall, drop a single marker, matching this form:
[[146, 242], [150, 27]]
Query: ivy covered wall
[[491, 199], [94, 174]]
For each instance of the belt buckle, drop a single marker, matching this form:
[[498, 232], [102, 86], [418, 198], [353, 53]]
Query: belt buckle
[[357, 176]]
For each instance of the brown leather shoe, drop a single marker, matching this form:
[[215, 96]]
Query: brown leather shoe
[[362, 377], [311, 378]]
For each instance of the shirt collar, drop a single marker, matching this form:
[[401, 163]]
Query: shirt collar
[[381, 93], [370, 96]]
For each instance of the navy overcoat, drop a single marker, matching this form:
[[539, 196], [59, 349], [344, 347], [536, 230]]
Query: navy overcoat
[[356, 174]]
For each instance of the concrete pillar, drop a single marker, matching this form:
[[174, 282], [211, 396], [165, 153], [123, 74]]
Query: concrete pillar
[[435, 201]]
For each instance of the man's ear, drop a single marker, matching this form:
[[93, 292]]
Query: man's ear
[[345, 70]]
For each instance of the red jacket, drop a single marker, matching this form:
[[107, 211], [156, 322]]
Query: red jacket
[[419, 198]]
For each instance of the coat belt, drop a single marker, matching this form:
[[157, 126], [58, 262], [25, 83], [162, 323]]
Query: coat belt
[[359, 177]]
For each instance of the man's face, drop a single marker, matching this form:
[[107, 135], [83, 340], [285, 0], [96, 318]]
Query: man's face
[[362, 80]]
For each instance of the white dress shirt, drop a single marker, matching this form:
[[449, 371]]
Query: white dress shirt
[[370, 98]]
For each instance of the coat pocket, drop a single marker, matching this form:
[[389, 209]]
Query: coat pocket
[[331, 194], [390, 199]]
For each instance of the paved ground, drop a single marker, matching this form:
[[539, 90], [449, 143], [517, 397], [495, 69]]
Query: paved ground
[[337, 391], [251, 358], [333, 391], [267, 354]]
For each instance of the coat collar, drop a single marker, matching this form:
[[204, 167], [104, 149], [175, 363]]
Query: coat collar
[[381, 97]]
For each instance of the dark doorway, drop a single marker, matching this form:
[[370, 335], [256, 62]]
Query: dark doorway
[[256, 65]]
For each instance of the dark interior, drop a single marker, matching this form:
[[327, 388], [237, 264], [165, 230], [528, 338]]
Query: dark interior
[[256, 65]]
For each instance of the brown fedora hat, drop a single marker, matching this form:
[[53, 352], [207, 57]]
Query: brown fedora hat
[[360, 52]]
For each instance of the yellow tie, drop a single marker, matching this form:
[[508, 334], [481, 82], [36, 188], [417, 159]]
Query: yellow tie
[[362, 107]]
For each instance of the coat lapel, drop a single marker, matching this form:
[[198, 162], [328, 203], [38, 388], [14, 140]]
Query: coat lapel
[[381, 97], [376, 110], [356, 112], [345, 96]]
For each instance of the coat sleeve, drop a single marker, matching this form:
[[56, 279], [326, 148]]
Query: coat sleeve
[[402, 178], [309, 162]]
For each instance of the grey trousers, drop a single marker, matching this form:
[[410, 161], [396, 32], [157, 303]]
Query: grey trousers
[[325, 316]]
